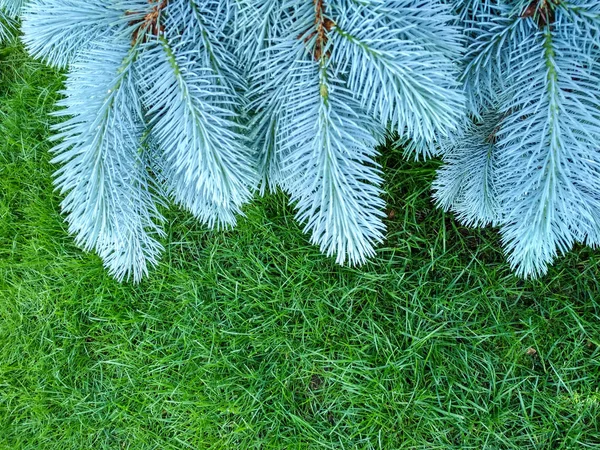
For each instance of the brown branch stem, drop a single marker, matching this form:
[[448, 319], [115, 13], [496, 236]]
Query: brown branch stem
[[322, 25], [542, 11], [150, 23]]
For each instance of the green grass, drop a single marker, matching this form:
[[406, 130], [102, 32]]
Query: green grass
[[251, 339]]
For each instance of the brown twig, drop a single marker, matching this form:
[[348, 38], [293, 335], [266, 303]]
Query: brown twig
[[542, 11], [322, 25], [150, 23]]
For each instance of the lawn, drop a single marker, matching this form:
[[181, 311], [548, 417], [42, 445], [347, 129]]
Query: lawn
[[251, 339]]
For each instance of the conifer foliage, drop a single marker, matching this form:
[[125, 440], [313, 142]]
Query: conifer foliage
[[205, 102], [528, 159], [10, 11], [328, 78]]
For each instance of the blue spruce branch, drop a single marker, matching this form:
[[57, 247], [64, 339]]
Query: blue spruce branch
[[205, 102]]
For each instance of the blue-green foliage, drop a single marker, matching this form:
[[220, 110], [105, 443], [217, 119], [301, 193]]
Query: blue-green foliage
[[153, 100], [192, 86], [109, 200], [206, 102], [10, 11], [323, 101], [530, 160]]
